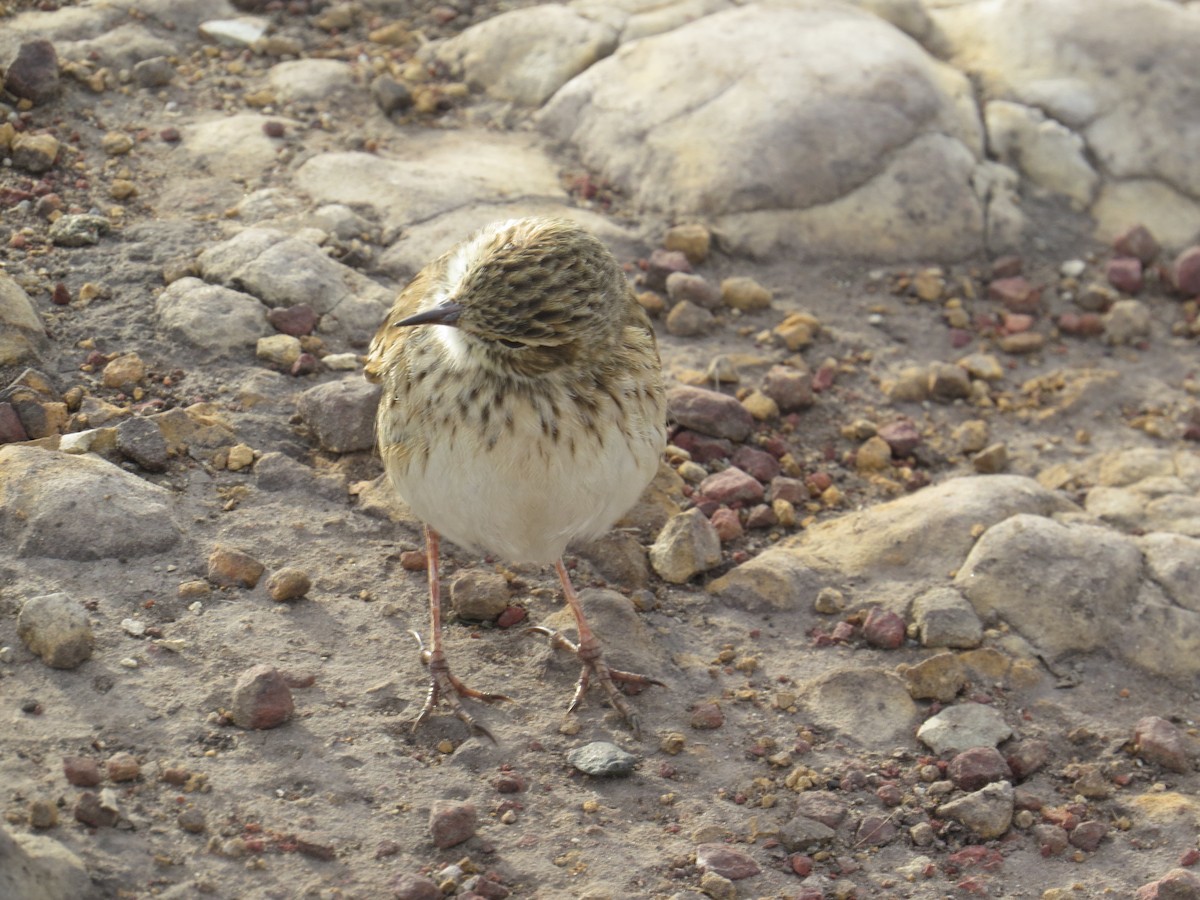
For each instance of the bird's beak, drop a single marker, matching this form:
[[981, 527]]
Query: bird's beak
[[443, 314]]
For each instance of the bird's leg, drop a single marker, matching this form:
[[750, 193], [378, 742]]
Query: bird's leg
[[594, 666], [443, 684]]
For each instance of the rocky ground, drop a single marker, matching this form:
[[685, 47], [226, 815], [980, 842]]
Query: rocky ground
[[921, 571]]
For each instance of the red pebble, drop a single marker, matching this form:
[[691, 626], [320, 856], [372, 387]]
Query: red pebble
[[511, 616]]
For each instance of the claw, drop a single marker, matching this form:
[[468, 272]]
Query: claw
[[446, 687], [593, 665]]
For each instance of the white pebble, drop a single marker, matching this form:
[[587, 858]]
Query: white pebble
[[133, 627], [129, 662], [1072, 268]]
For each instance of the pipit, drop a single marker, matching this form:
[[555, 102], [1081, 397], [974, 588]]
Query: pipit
[[522, 409]]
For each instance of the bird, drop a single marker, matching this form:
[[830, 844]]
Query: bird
[[522, 408]]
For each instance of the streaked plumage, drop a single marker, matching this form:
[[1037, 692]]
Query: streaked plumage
[[522, 405]]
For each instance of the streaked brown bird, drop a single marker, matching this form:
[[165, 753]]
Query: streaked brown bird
[[522, 409]]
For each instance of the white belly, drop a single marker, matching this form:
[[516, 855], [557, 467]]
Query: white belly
[[526, 498]]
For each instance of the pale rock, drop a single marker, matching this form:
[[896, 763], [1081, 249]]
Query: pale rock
[[687, 546], [1065, 588], [962, 727], [526, 55], [43, 491]]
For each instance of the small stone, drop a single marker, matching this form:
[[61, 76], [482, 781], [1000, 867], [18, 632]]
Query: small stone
[[1125, 274], [287, 585], [696, 289], [761, 516], [141, 441], [315, 849], [1027, 757], [745, 294], [79, 230], [602, 758], [707, 716], [123, 767], [116, 143], [233, 568], [947, 382], [709, 412], [793, 490], [875, 831], [1159, 742], [156, 71], [760, 406], [727, 523], [82, 771], [1127, 322], [686, 319], [192, 821], [945, 618], [873, 456], [790, 388], [660, 266], [1022, 342], [971, 436], [797, 331], [884, 629], [983, 366], [801, 832], [693, 240], [394, 34], [963, 726], [991, 460], [234, 33], [1087, 835], [726, 861], [1187, 272], [341, 414], [280, 350], [479, 596], [829, 601], [687, 545], [297, 320], [241, 456], [33, 74], [929, 284], [391, 95], [717, 887], [902, 437], [1052, 840], [732, 486], [1178, 884], [1017, 294], [1007, 266], [939, 677], [910, 386], [415, 887], [42, 813], [56, 628], [976, 767], [988, 812], [261, 699], [1080, 325], [124, 372], [452, 824], [1138, 242], [34, 153], [91, 810], [122, 189], [1096, 297], [922, 834], [758, 464]]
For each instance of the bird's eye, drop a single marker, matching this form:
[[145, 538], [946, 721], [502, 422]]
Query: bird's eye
[[512, 345]]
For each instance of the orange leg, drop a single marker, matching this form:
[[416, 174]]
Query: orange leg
[[444, 686], [594, 666]]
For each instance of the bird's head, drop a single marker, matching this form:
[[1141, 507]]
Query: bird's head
[[527, 295]]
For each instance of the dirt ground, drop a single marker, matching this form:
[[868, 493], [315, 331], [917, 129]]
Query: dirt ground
[[336, 803]]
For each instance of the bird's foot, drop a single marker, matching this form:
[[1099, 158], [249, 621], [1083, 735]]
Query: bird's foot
[[595, 668], [446, 687]]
